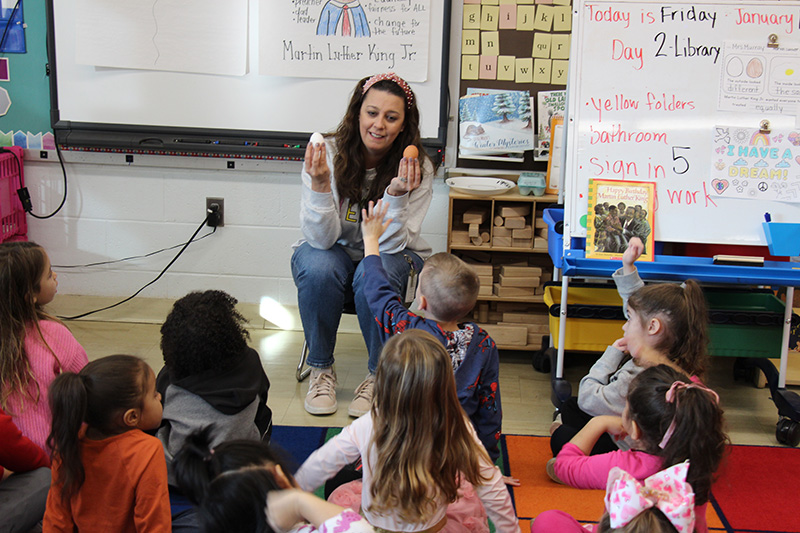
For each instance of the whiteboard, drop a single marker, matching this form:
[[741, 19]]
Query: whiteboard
[[646, 90], [93, 98]]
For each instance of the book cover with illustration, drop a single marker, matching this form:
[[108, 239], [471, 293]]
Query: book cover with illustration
[[618, 211], [550, 104], [495, 123]]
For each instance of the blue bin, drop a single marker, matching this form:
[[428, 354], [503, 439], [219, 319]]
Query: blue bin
[[555, 241], [783, 238]]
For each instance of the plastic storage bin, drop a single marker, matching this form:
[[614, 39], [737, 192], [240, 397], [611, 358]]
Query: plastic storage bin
[[741, 323], [13, 224], [555, 240]]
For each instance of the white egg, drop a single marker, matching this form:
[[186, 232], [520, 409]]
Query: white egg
[[317, 138]]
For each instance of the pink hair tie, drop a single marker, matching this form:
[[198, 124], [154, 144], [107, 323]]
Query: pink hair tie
[[391, 76], [672, 398]]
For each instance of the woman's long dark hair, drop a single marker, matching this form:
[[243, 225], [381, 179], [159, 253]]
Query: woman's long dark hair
[[97, 395], [348, 163]]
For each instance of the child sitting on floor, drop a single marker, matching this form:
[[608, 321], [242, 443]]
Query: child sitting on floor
[[670, 419], [420, 453], [663, 503], [34, 345], [108, 475], [447, 291], [666, 324], [241, 485]]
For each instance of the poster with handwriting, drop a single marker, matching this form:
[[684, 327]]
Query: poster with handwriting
[[344, 39], [650, 84]]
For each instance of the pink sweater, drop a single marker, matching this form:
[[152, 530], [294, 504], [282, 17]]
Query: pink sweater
[[34, 419], [582, 471]]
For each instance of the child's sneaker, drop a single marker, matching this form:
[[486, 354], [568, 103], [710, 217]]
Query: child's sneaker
[[551, 470], [362, 403], [321, 396]]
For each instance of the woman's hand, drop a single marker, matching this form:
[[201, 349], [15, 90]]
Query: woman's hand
[[316, 165], [408, 177]]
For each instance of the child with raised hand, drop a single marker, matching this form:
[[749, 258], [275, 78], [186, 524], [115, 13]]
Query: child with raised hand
[[447, 291], [34, 345], [210, 374], [663, 503], [670, 419], [419, 450], [108, 475], [667, 324], [242, 485]]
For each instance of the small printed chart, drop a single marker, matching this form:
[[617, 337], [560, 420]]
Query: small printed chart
[[759, 79], [756, 165]]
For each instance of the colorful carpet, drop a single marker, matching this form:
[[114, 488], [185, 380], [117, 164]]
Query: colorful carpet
[[756, 491]]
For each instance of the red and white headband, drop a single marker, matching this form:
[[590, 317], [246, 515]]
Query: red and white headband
[[391, 76]]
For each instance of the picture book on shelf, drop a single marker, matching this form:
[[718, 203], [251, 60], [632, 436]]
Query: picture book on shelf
[[618, 211], [550, 104], [498, 123]]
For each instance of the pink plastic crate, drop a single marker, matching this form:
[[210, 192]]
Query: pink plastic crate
[[13, 224]]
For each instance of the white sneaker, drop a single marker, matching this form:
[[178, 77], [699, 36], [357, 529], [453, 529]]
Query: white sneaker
[[362, 402], [321, 396]]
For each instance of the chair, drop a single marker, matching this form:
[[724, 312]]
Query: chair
[[301, 373]]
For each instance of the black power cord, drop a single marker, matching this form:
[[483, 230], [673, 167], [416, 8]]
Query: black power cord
[[25, 197], [131, 297]]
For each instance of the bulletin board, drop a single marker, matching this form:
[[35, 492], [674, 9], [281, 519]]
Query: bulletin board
[[195, 76], [515, 45], [675, 93]]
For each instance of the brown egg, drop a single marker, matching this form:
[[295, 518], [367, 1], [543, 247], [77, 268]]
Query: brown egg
[[755, 68], [411, 152]]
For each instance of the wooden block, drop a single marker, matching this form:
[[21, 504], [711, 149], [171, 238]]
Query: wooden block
[[540, 243], [495, 317], [527, 318], [483, 311], [499, 221], [515, 222], [507, 335], [485, 237], [543, 232], [475, 216], [515, 210], [545, 277], [512, 292], [476, 241], [481, 269], [486, 281], [474, 230], [527, 281], [500, 231], [485, 290], [520, 271], [502, 241], [524, 233], [541, 329], [540, 223], [520, 243], [459, 237], [535, 339]]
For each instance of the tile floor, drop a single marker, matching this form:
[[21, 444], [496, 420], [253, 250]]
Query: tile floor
[[527, 410]]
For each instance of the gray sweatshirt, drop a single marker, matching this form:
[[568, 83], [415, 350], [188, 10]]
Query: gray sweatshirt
[[604, 390], [326, 219]]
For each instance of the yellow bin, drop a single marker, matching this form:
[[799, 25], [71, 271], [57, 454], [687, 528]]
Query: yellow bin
[[585, 334]]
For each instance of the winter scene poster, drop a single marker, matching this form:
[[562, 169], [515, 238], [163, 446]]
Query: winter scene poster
[[344, 39], [499, 122]]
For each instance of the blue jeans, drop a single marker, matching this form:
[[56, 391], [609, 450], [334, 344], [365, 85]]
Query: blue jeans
[[326, 280]]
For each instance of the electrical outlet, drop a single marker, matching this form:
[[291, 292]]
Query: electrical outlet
[[215, 209]]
